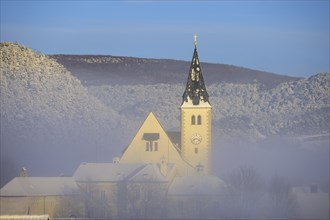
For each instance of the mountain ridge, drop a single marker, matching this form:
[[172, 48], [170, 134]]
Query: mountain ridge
[[111, 70]]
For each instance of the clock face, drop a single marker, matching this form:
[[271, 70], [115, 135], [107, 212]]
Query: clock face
[[196, 138]]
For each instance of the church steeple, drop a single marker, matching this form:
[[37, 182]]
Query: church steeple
[[195, 89], [196, 119]]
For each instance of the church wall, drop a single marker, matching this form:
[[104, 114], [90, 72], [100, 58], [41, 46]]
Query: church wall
[[39, 205], [103, 199], [117, 200], [14, 205], [146, 200]]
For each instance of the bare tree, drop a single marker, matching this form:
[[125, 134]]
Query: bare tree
[[95, 202], [69, 207], [246, 188], [283, 203], [146, 200]]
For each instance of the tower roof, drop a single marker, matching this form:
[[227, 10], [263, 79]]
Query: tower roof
[[195, 88]]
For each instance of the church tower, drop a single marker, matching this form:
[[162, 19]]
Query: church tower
[[196, 119]]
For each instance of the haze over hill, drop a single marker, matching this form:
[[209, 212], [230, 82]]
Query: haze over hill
[[50, 121], [246, 102], [111, 70]]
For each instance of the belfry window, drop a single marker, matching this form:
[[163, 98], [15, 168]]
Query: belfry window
[[196, 150], [147, 146], [199, 120], [193, 120], [156, 146]]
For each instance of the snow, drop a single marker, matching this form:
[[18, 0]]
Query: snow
[[40, 186], [116, 172]]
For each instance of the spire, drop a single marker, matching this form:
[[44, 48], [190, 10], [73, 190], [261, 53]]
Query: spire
[[195, 88]]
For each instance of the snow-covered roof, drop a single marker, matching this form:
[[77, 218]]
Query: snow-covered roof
[[196, 185], [40, 186], [151, 173], [116, 172], [106, 172]]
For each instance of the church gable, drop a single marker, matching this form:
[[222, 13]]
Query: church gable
[[151, 144]]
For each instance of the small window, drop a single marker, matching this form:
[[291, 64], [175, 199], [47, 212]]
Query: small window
[[102, 195], [199, 120], [193, 120], [156, 146], [147, 146], [196, 150]]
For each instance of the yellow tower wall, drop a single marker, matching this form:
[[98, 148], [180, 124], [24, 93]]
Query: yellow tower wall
[[196, 138]]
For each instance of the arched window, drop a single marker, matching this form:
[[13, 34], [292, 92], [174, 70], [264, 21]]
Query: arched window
[[193, 120], [199, 120]]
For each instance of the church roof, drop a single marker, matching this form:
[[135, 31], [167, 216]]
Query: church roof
[[116, 172], [40, 186], [106, 172], [175, 137], [195, 88], [196, 185], [151, 173]]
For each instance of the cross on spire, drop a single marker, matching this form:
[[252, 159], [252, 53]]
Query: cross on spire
[[195, 39]]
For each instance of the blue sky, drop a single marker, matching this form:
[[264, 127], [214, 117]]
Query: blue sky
[[285, 37]]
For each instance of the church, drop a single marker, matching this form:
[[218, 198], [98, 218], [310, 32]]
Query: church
[[160, 174], [191, 154]]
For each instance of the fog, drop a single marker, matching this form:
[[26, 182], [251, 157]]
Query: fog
[[287, 161], [250, 167], [270, 147], [57, 155], [301, 162]]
